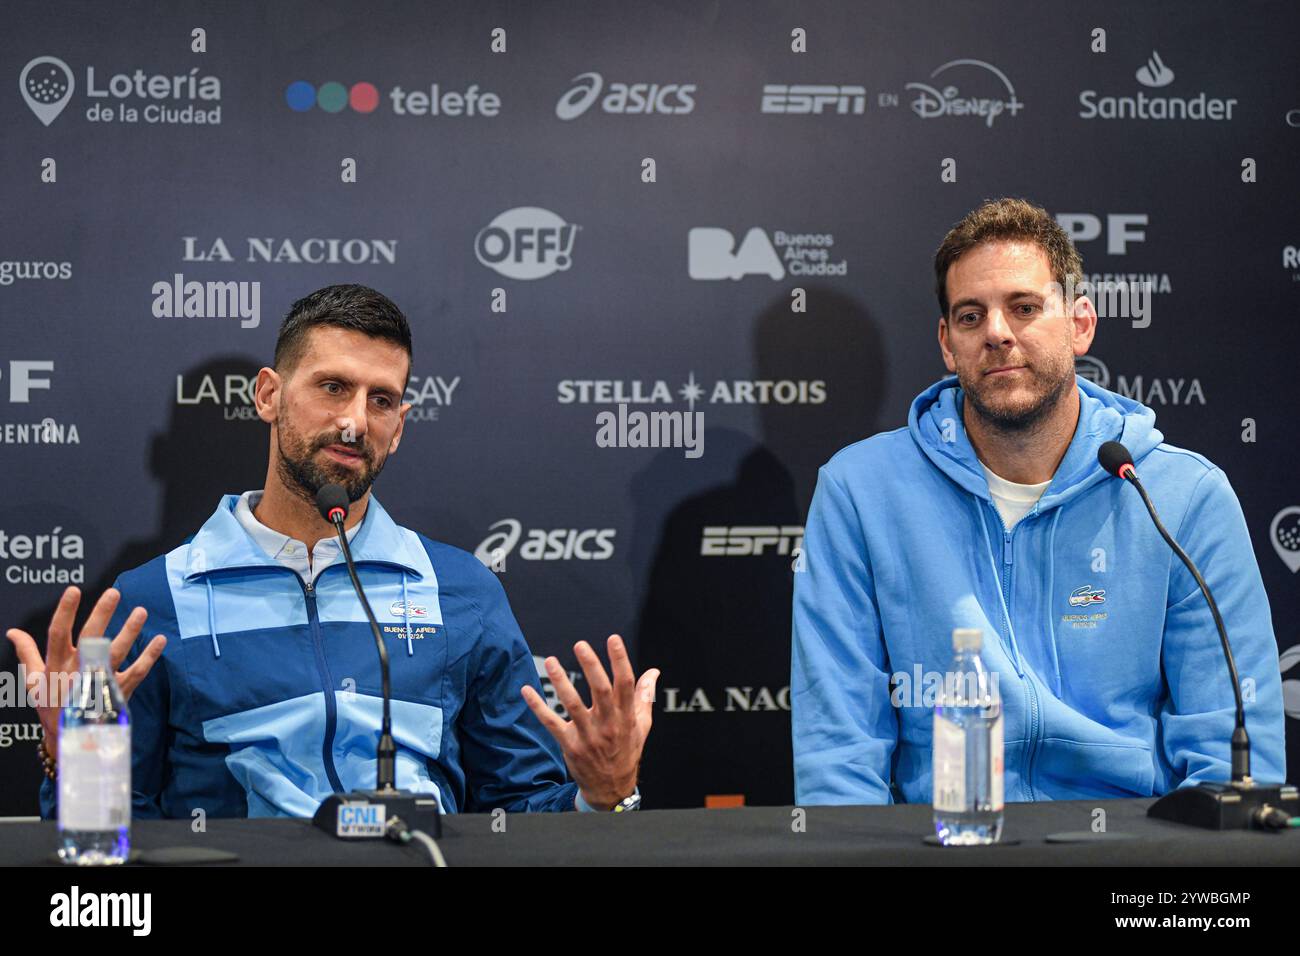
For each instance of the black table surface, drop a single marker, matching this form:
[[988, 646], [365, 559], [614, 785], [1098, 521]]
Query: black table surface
[[749, 836]]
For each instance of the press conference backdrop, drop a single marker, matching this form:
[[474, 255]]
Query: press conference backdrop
[[722, 211]]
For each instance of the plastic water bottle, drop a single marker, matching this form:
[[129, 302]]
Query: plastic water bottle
[[967, 756], [94, 763]]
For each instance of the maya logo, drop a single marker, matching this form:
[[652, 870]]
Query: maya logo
[[47, 84], [1086, 596], [526, 242], [712, 254], [399, 609], [1284, 532]]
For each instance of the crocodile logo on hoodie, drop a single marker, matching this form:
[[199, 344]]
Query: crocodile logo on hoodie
[[1086, 596], [398, 609]]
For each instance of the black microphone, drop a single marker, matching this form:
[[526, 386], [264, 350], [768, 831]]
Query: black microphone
[[369, 814], [332, 503], [1113, 457], [1215, 806]]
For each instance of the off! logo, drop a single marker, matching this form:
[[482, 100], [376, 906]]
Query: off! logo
[[560, 544], [526, 242]]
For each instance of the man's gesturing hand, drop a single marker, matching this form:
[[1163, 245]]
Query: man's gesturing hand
[[601, 743], [48, 679]]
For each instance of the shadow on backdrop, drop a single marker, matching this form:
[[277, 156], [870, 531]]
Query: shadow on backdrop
[[719, 627]]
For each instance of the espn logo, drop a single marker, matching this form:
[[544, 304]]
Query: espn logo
[[749, 540], [814, 98]]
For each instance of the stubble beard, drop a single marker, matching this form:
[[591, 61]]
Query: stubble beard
[[1047, 388], [301, 474]]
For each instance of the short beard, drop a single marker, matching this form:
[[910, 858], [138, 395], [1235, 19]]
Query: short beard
[[1019, 420], [302, 476]]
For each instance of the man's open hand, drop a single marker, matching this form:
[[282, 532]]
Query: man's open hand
[[47, 679], [601, 743]]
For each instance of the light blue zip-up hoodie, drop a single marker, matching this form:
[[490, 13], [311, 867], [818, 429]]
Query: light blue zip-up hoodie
[[1110, 669]]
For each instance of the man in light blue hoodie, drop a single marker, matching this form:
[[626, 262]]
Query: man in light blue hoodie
[[990, 510]]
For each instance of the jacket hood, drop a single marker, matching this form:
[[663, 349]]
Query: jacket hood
[[1103, 416]]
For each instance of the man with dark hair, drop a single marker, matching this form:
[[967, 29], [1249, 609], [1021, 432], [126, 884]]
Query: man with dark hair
[[261, 696], [989, 510]]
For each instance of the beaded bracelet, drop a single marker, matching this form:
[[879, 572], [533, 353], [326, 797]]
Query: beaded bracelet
[[48, 763]]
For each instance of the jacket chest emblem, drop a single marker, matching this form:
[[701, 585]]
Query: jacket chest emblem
[[400, 609], [1086, 597]]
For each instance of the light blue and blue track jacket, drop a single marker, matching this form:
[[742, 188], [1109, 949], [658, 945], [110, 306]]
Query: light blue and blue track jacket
[[1110, 668], [267, 698]]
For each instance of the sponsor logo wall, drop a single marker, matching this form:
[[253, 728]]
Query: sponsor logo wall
[[626, 375]]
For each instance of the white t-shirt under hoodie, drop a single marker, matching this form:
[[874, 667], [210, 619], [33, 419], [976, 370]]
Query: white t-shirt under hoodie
[[1013, 500]]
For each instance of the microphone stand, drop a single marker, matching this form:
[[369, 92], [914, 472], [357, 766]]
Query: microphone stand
[[1241, 803], [384, 811], [387, 752]]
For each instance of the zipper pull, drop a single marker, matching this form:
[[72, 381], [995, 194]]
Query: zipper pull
[[1007, 554]]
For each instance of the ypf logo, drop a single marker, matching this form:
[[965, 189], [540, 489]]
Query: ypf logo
[[1284, 532], [331, 97], [47, 85], [1093, 369], [22, 378], [526, 242], [1122, 229]]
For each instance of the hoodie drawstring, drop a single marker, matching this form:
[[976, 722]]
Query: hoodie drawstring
[[212, 616], [997, 581], [406, 615], [1051, 590]]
